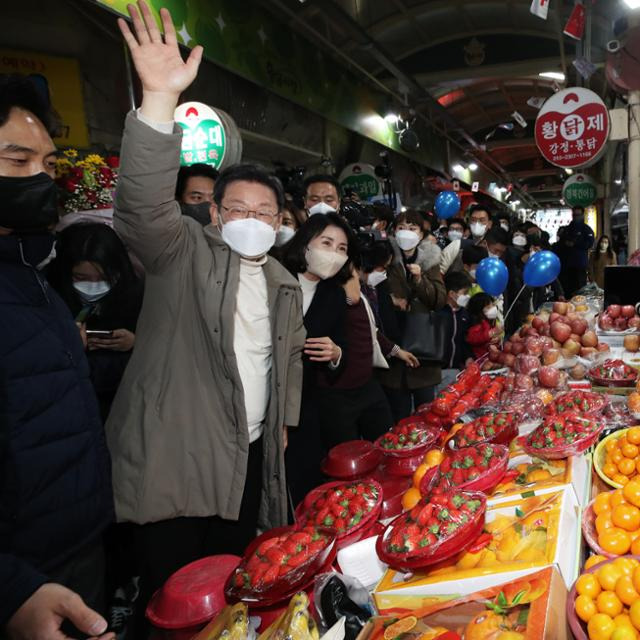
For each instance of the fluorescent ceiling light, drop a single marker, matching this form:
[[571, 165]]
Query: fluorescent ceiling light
[[568, 171], [553, 75], [458, 167], [632, 4], [473, 166], [391, 118], [618, 181], [516, 202]]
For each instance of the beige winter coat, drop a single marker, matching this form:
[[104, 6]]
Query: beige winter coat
[[177, 431]]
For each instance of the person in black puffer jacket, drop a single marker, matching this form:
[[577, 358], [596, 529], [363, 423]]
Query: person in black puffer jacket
[[55, 476]]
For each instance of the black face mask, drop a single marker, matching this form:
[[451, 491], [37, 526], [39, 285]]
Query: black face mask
[[199, 212], [28, 204], [578, 218]]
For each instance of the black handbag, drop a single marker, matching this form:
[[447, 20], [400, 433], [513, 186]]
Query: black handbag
[[425, 335]]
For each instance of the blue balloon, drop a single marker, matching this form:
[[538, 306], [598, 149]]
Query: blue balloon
[[447, 204], [541, 269], [492, 275]]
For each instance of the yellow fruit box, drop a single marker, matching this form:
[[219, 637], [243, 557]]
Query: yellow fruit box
[[528, 476], [528, 608], [525, 536]]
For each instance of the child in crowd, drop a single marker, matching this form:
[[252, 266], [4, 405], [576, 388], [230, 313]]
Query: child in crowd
[[455, 312], [482, 318]]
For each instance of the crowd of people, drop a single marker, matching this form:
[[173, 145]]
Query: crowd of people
[[184, 373]]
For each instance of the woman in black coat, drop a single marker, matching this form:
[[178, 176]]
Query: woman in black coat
[[324, 310], [93, 274]]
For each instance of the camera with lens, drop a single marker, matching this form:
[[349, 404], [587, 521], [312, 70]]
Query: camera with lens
[[359, 215]]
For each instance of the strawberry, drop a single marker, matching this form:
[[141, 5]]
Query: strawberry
[[267, 544], [301, 537], [340, 524], [258, 573], [271, 575], [424, 515], [299, 559], [276, 555]]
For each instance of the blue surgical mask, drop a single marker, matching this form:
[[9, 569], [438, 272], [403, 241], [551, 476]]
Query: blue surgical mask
[[92, 291]]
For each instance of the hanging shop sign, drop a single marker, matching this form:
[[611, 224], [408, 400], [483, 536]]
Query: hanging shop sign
[[360, 178], [580, 191], [60, 79], [572, 128], [209, 136]]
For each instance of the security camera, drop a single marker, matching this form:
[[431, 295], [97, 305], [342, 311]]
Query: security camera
[[613, 46]]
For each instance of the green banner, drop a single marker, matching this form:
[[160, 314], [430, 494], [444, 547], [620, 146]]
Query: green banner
[[250, 42]]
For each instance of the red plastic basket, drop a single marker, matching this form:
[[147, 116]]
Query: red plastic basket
[[590, 533], [565, 451]]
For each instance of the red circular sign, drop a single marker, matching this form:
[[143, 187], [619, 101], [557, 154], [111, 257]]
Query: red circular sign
[[572, 128]]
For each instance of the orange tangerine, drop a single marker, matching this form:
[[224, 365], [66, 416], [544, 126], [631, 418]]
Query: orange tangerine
[[615, 541], [616, 498], [419, 474], [626, 516], [601, 504], [588, 585], [603, 522], [620, 478], [585, 608], [629, 450], [410, 498], [626, 466], [610, 469], [616, 455], [631, 492], [633, 435], [609, 603], [625, 591], [593, 560]]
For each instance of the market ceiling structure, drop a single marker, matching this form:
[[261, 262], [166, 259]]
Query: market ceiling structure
[[466, 66]]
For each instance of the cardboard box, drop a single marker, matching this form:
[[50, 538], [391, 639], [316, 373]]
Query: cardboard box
[[528, 535], [532, 606], [536, 477]]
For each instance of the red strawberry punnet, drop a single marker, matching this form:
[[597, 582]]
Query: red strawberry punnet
[[561, 436], [282, 561], [409, 436], [500, 428], [437, 528], [478, 468], [342, 506], [579, 402]]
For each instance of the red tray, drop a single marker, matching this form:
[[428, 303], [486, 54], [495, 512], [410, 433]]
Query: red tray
[[431, 437], [486, 483], [565, 451], [282, 589], [452, 546], [502, 437], [355, 533]]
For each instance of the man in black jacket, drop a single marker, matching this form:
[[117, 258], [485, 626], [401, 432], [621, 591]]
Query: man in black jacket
[[55, 485]]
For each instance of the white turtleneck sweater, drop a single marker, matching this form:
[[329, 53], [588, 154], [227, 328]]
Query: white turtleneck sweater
[[252, 343]]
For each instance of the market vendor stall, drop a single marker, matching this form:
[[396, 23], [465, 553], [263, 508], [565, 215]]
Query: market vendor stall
[[506, 509]]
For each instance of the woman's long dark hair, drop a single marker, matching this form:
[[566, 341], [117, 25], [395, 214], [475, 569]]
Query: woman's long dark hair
[[293, 252], [96, 243], [476, 305], [610, 252]]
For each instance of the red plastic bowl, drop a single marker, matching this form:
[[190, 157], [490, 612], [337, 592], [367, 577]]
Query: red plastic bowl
[[579, 628], [193, 595], [402, 467], [430, 438], [351, 460], [450, 547], [284, 586], [355, 533], [393, 488], [590, 534], [565, 451]]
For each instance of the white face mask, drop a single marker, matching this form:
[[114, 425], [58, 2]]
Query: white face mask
[[284, 235], [376, 277], [324, 263], [472, 274], [463, 300], [519, 241], [478, 229], [454, 235], [92, 291], [407, 240], [491, 313], [321, 207], [249, 237], [505, 225]]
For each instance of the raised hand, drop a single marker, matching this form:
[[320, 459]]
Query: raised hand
[[162, 71]]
